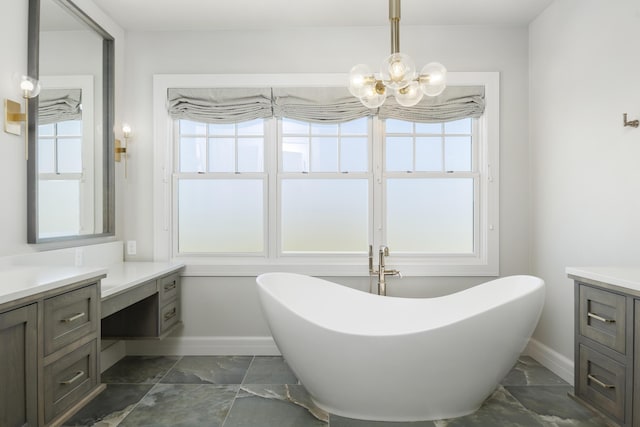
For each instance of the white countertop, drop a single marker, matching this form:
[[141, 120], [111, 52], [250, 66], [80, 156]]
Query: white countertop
[[22, 281], [124, 275], [625, 277]]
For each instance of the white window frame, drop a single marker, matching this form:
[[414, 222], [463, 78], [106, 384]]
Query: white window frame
[[485, 261]]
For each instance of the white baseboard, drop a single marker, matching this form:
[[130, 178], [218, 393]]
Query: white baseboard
[[201, 346], [265, 346], [551, 359]]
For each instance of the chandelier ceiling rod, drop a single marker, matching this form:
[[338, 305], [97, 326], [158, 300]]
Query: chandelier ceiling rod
[[394, 20]]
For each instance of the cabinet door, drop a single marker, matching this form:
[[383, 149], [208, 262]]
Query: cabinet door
[[19, 366], [603, 317]]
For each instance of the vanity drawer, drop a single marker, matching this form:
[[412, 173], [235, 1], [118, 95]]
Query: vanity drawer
[[70, 316], [70, 379], [602, 382], [169, 316], [169, 287], [603, 317]]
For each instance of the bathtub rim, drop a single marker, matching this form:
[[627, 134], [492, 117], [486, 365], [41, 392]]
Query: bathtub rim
[[536, 285]]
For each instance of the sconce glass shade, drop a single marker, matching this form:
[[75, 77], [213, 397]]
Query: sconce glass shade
[[361, 81], [30, 87], [409, 95], [433, 79], [398, 70], [126, 130]]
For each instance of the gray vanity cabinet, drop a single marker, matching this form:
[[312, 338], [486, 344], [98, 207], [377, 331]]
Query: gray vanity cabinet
[[19, 366], [70, 337], [49, 354], [636, 364], [169, 293], [607, 356]]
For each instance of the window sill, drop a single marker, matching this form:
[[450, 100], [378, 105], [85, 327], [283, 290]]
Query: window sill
[[201, 268]]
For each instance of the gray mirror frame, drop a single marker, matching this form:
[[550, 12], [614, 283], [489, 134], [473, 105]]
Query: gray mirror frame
[[108, 112]]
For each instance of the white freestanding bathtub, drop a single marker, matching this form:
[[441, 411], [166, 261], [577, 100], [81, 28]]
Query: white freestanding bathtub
[[372, 357]]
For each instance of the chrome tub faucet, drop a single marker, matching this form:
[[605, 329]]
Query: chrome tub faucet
[[381, 272]]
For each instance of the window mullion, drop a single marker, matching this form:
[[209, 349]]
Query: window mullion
[[272, 170], [56, 149], [378, 193]]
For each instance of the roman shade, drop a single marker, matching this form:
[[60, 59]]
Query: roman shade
[[59, 105], [455, 103], [321, 104], [225, 105], [316, 104]]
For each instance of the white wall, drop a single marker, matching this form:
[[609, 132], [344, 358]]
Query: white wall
[[13, 166], [228, 306], [585, 174]]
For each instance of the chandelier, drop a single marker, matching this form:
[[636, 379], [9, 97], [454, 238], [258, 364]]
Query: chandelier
[[398, 74]]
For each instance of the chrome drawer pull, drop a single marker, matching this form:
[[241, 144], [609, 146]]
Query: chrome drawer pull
[[600, 318], [170, 314], [600, 383], [73, 379], [72, 318], [171, 286]]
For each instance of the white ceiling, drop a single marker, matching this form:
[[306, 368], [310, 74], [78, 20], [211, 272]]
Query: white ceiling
[[202, 15]]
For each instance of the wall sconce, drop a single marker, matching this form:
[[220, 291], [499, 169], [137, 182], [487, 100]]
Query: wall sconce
[[13, 115], [631, 123], [121, 149]]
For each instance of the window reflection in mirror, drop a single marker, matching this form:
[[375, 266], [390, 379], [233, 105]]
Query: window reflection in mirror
[[68, 180]]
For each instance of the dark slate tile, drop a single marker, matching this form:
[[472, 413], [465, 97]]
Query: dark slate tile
[[139, 369], [500, 409], [209, 370], [527, 371], [337, 421], [269, 370], [183, 405], [110, 406], [277, 405], [554, 406]]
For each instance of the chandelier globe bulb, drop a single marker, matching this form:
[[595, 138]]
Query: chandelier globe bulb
[[409, 95], [361, 80], [397, 70], [433, 79]]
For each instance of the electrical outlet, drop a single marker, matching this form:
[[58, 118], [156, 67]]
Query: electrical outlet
[[79, 257], [131, 247]]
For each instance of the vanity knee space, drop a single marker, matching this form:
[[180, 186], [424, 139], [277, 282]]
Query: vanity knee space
[[146, 310]]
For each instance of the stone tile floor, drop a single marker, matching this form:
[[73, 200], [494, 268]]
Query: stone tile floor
[[261, 391]]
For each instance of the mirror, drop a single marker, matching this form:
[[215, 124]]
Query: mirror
[[70, 171]]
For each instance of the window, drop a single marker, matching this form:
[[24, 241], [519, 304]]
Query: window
[[291, 194], [220, 188], [431, 180], [324, 183]]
